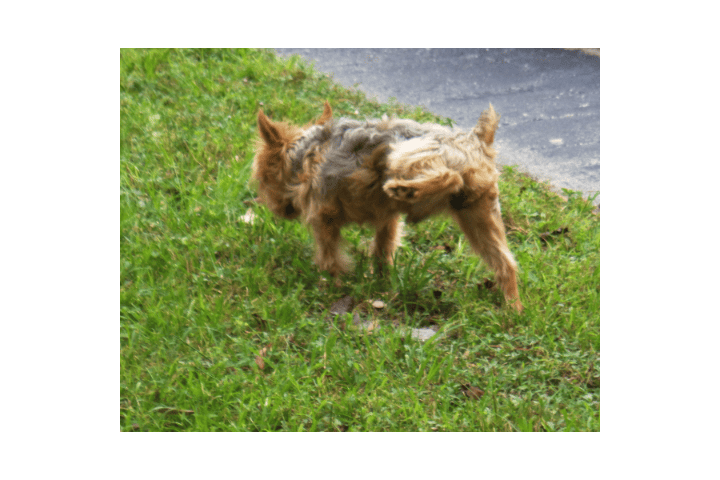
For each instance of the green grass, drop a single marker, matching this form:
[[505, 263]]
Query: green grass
[[224, 325]]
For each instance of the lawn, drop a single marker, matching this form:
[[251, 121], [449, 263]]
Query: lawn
[[226, 325]]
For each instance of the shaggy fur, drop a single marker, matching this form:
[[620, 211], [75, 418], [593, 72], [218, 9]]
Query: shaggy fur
[[339, 171]]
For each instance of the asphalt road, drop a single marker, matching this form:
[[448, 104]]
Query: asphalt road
[[549, 99]]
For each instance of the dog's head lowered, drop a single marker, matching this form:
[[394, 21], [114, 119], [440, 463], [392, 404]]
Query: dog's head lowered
[[273, 167]]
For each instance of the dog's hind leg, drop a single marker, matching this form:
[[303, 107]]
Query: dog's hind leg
[[482, 224], [440, 181]]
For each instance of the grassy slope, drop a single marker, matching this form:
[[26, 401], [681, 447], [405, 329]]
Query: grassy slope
[[224, 324]]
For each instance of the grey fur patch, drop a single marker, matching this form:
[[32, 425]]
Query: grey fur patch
[[315, 135], [351, 141], [350, 146], [346, 142]]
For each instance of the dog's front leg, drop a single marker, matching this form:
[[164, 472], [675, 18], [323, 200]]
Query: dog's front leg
[[387, 239], [326, 229]]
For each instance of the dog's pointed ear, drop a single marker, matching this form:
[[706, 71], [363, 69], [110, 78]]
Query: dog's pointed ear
[[326, 115], [267, 130]]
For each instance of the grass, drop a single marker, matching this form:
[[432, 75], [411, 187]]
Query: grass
[[225, 325]]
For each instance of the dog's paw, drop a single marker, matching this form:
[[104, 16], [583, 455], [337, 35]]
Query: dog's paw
[[398, 191]]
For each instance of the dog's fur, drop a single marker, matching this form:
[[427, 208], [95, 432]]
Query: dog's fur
[[339, 171]]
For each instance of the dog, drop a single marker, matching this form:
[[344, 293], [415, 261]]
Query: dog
[[337, 171]]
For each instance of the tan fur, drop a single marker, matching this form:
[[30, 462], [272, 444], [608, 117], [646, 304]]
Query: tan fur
[[336, 172]]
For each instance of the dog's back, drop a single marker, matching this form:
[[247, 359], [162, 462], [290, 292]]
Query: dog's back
[[347, 143]]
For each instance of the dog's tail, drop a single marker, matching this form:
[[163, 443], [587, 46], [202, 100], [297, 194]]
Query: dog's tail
[[486, 126]]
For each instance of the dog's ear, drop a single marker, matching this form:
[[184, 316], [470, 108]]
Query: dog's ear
[[326, 115], [486, 126], [267, 130]]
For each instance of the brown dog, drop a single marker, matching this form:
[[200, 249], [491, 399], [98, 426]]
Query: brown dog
[[335, 172]]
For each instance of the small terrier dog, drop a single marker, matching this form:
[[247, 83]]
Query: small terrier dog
[[334, 172]]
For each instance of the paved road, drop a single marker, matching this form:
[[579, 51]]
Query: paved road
[[549, 99]]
